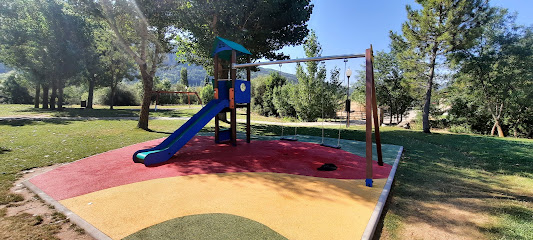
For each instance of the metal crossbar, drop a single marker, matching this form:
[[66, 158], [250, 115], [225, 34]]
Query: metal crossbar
[[361, 55]]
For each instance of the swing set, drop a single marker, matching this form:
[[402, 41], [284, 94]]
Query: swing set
[[371, 103], [171, 92]]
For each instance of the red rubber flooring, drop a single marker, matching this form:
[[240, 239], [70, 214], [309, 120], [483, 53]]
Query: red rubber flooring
[[202, 156]]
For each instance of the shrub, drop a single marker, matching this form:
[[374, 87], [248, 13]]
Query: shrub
[[124, 96], [207, 93], [463, 128], [12, 90], [74, 94], [263, 93], [282, 100]]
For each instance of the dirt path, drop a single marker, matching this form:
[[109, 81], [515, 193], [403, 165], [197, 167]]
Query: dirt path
[[45, 219]]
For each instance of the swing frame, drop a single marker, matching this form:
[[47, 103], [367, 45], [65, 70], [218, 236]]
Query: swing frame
[[371, 102]]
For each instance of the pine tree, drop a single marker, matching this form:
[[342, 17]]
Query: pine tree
[[439, 28], [183, 74], [308, 92]]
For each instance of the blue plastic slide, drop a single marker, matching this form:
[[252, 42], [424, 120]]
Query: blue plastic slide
[[164, 151]]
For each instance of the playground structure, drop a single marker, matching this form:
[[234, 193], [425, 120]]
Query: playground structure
[[157, 93], [234, 93], [270, 185], [227, 98]]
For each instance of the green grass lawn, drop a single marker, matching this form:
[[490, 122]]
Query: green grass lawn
[[9, 110], [483, 174]]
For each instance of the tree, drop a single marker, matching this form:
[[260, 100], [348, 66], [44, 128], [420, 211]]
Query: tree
[[497, 72], [183, 74], [41, 38], [249, 22], [282, 100], [333, 93], [118, 68], [141, 29], [392, 89], [207, 93], [13, 92], [307, 98], [107, 65], [23, 35], [264, 93], [64, 45], [439, 28]]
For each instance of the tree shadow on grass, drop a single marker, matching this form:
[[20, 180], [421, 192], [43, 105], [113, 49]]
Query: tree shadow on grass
[[4, 150], [84, 112], [25, 122], [456, 172], [156, 131], [491, 154]]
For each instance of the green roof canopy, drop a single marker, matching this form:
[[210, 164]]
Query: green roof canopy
[[223, 47]]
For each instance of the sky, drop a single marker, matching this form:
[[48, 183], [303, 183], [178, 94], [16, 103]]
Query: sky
[[350, 26]]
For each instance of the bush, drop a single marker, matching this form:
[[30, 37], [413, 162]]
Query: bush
[[12, 90], [282, 100], [207, 93], [74, 94], [263, 93], [463, 128], [124, 96]]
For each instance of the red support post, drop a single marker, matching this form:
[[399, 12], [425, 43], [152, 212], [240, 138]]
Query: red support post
[[248, 130], [233, 73], [369, 76], [375, 113], [215, 87]]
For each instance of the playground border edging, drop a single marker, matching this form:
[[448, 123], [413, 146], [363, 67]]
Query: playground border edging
[[89, 229], [376, 215]]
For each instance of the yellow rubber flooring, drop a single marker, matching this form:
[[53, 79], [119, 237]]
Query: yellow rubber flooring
[[297, 207]]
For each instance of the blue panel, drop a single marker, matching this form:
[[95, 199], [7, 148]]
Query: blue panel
[[224, 135], [223, 89], [242, 91]]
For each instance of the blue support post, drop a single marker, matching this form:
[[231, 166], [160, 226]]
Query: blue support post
[[369, 182]]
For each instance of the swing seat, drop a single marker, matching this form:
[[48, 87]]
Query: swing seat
[[330, 146], [289, 139]]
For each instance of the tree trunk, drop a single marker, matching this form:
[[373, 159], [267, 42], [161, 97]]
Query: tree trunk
[[427, 104], [91, 93], [60, 98], [112, 103], [45, 96], [37, 93], [147, 96], [496, 116], [429, 87], [53, 96], [500, 131]]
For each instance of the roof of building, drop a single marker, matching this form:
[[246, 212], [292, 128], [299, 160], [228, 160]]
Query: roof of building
[[224, 47]]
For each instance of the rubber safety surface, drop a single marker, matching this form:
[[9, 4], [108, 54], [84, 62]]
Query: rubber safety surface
[[269, 185]]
